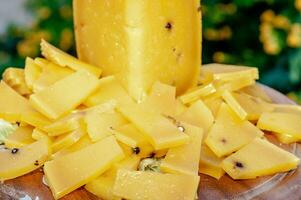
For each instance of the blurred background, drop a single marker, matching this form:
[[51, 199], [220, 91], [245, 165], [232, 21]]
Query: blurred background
[[261, 33]]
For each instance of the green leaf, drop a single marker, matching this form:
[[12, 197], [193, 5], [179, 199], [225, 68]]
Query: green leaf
[[6, 128], [295, 67]]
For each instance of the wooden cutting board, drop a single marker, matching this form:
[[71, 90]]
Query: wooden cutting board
[[278, 187]]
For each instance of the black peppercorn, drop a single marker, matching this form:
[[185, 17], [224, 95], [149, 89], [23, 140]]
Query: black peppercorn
[[239, 165], [14, 150], [168, 26], [136, 150]]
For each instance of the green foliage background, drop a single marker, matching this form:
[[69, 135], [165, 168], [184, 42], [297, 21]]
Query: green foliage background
[[261, 33]]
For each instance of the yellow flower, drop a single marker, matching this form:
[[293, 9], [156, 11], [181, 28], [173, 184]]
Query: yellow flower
[[225, 33], [211, 34], [267, 16], [294, 37], [44, 12], [298, 5], [66, 39], [66, 12], [219, 57], [27, 48], [271, 48], [281, 22]]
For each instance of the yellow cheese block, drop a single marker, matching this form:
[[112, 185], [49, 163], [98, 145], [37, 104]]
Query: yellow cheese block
[[259, 158], [41, 135], [158, 130], [133, 185], [50, 74], [63, 59], [141, 47], [16, 79], [256, 90], [101, 124], [197, 93], [210, 164], [230, 133], [24, 160], [64, 125], [65, 95], [32, 72], [162, 99], [128, 134], [229, 72], [109, 89], [69, 172], [83, 142], [245, 106], [185, 159], [103, 185], [198, 114], [19, 138], [68, 139], [281, 123]]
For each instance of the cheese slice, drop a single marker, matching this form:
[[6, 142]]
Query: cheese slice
[[64, 95], [25, 160], [138, 185], [19, 138], [158, 130], [16, 108], [185, 159], [259, 158], [65, 60], [139, 46], [230, 133], [69, 172]]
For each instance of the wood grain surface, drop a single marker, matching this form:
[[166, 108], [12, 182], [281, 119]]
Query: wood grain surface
[[278, 187]]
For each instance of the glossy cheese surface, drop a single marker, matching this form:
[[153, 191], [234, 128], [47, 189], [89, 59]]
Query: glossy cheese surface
[[64, 95], [133, 185], [185, 159], [69, 172], [259, 158], [141, 41], [25, 160]]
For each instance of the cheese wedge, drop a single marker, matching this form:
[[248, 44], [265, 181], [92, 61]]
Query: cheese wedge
[[139, 46], [259, 158]]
